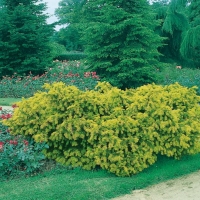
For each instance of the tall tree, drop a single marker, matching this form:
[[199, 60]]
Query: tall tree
[[69, 13], [190, 47], [69, 37], [160, 9], [174, 26], [24, 37], [120, 41]]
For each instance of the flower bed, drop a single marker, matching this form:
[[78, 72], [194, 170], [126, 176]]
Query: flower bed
[[71, 73], [18, 154]]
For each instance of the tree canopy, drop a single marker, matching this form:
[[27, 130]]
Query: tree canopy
[[174, 26], [120, 41], [24, 37], [69, 13], [190, 47]]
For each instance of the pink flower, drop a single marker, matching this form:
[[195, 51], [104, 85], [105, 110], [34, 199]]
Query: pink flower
[[96, 77], [87, 74], [10, 142], [1, 145], [14, 142], [70, 74]]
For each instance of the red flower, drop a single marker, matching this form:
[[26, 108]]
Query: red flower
[[77, 74], [2, 116], [0, 108], [1, 145], [15, 142], [6, 116], [14, 106], [26, 142], [70, 74], [94, 73]]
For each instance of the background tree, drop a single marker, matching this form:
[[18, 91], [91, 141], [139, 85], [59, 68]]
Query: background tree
[[69, 14], [190, 47], [24, 37], [174, 26], [69, 37], [160, 9], [120, 41]]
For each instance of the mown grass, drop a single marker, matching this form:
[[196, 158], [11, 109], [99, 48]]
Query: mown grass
[[186, 77], [64, 184], [8, 101]]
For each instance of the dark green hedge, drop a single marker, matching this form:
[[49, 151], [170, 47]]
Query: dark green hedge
[[71, 56]]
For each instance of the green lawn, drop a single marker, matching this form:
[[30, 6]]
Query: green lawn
[[77, 184], [8, 101]]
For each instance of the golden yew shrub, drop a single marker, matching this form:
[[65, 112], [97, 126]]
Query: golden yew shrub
[[120, 131], [171, 115]]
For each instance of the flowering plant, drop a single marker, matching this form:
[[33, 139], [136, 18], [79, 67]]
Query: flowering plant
[[18, 153], [69, 72]]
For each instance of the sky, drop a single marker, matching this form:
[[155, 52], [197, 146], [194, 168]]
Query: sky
[[52, 5]]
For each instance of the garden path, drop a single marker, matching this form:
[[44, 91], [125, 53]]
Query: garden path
[[7, 108], [184, 188]]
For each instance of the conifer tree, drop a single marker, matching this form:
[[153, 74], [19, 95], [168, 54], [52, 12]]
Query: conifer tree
[[190, 47], [69, 13], [174, 26], [120, 41], [24, 37]]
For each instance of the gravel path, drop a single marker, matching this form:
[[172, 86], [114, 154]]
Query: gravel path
[[183, 188], [7, 108]]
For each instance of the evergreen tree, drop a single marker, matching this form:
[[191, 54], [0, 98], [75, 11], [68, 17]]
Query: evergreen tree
[[24, 37], [190, 47], [160, 8], [174, 26], [69, 13], [69, 37], [120, 41]]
